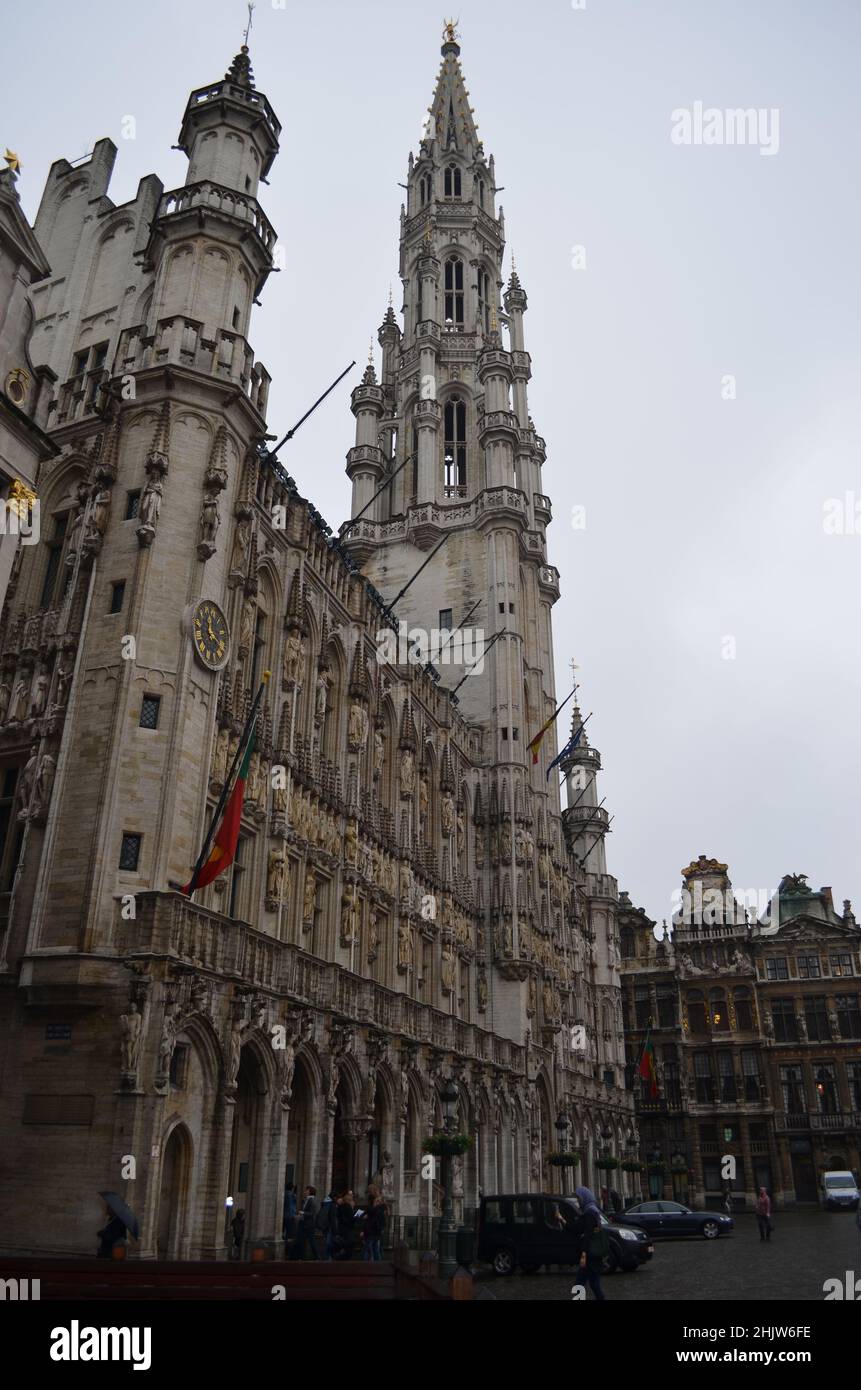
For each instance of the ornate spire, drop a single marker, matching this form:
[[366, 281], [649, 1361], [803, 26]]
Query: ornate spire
[[359, 673], [239, 72]]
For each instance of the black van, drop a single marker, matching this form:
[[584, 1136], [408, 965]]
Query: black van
[[532, 1229]]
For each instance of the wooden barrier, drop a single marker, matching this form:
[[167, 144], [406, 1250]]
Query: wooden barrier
[[303, 1280]]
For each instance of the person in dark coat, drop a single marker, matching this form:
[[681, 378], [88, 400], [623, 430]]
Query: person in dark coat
[[763, 1214], [346, 1226], [237, 1226], [112, 1233], [373, 1226], [306, 1233], [590, 1261]]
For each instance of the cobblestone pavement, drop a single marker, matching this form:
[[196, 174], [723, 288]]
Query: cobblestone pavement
[[807, 1248]]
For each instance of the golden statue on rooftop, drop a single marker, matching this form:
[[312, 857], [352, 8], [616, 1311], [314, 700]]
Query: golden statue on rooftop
[[450, 33]]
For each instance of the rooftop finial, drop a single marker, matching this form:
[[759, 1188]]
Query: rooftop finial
[[450, 33], [13, 161], [390, 297], [248, 25]]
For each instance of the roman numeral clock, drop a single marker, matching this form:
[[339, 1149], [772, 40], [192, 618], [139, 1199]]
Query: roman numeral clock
[[210, 634]]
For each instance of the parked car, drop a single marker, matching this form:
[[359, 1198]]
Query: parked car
[[839, 1190], [667, 1219], [537, 1228]]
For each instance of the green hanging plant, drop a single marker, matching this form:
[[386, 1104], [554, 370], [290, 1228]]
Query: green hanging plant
[[607, 1162], [557, 1159], [632, 1165], [446, 1145]]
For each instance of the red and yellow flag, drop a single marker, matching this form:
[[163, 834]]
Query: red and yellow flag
[[647, 1068], [223, 851]]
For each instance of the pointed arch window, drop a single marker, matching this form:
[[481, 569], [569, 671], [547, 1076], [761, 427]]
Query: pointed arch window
[[454, 453], [483, 301], [454, 292], [452, 181], [424, 190], [481, 193]]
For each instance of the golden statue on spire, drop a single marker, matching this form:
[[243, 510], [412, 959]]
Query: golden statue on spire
[[450, 33]]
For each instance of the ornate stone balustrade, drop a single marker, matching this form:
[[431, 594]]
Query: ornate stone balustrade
[[168, 926]]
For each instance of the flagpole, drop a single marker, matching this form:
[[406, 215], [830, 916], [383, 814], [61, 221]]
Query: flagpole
[[348, 526], [596, 840], [559, 756], [548, 723], [228, 784]]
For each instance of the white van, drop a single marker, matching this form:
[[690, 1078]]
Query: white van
[[839, 1190]]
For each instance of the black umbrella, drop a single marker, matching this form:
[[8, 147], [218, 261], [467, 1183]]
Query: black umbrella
[[119, 1208]]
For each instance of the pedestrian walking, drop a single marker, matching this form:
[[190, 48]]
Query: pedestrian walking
[[290, 1205], [112, 1233], [727, 1201], [594, 1244], [307, 1224], [615, 1200], [346, 1226], [237, 1228], [763, 1215], [373, 1225], [327, 1225]]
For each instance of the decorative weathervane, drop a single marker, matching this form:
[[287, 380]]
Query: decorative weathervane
[[249, 24], [450, 33], [574, 669], [13, 161]]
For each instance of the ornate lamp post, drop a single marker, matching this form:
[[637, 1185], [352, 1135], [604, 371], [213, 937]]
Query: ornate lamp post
[[562, 1126], [447, 1227]]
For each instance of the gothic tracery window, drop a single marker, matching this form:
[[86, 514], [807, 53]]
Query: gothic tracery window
[[454, 449], [454, 292], [452, 182]]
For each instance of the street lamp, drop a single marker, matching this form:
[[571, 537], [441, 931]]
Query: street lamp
[[447, 1228], [562, 1126]]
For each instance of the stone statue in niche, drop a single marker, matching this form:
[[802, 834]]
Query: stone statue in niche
[[408, 772], [149, 510], [358, 729], [61, 693], [405, 946], [210, 520], [44, 783], [379, 751], [246, 623], [275, 876], [20, 701], [39, 694], [292, 649], [25, 784], [241, 547], [309, 897], [5, 697], [130, 1036]]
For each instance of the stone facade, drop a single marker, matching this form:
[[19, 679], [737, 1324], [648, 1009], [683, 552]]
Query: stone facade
[[408, 905], [25, 392], [756, 1025]]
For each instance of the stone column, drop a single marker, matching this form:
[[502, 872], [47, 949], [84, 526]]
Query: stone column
[[213, 1189]]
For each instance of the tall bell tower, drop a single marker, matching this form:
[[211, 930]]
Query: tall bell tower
[[448, 424]]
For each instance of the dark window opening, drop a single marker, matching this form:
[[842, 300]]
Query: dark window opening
[[130, 851], [445, 620], [118, 593], [133, 502], [55, 554], [149, 711]]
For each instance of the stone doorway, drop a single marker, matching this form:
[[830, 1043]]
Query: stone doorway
[[173, 1195]]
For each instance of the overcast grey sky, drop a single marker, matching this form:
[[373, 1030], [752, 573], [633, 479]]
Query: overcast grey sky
[[704, 515]]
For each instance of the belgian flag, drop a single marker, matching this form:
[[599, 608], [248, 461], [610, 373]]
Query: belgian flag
[[647, 1068], [223, 850]]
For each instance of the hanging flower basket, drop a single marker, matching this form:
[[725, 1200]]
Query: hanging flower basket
[[607, 1163], [632, 1165], [446, 1145], [557, 1159]]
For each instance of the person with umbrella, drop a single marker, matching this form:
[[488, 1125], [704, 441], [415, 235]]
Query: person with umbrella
[[120, 1219]]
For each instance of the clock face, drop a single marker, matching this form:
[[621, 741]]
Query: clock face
[[210, 635]]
